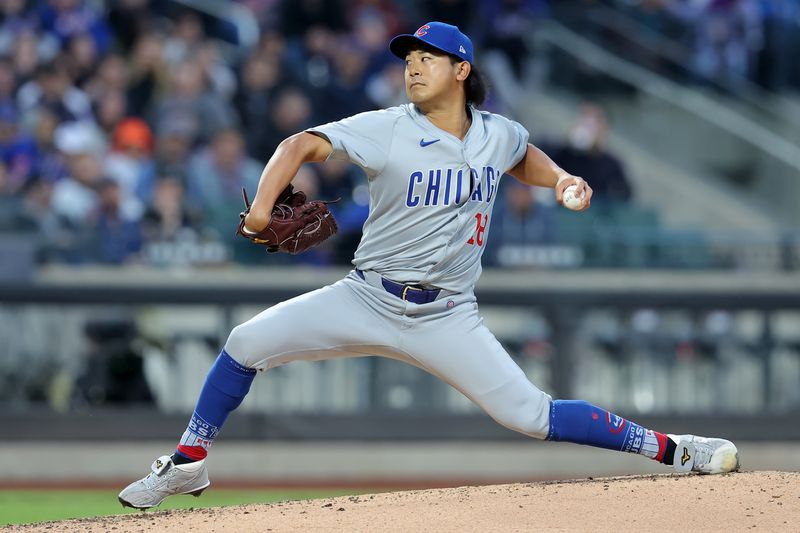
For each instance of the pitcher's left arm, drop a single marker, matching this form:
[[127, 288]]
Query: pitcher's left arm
[[536, 168]]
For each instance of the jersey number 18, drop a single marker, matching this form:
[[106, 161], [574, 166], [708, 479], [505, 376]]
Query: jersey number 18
[[481, 219]]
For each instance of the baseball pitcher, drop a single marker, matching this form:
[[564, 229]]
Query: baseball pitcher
[[434, 166]]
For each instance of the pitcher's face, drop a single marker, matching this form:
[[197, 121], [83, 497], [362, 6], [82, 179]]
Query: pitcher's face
[[431, 76]]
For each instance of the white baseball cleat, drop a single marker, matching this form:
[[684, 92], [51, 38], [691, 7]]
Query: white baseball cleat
[[704, 455], [165, 479]]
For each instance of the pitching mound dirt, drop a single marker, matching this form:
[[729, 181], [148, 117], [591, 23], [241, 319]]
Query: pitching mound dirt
[[765, 501]]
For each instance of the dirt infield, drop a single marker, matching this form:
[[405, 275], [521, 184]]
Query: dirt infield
[[764, 501]]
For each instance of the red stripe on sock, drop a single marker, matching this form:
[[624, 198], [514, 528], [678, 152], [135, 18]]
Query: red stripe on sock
[[194, 452], [662, 445]]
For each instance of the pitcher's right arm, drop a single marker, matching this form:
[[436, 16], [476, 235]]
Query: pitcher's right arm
[[293, 151]]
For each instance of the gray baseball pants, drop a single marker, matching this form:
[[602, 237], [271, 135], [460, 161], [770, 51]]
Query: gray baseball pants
[[356, 317]]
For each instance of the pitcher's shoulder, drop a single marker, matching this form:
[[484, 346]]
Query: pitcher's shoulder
[[496, 124], [395, 111], [495, 119], [379, 119], [385, 116]]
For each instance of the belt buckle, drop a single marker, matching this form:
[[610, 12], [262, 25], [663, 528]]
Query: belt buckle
[[405, 291]]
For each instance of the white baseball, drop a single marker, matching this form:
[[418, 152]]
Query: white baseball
[[572, 200]]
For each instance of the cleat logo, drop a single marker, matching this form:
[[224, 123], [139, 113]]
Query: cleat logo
[[159, 464], [685, 457]]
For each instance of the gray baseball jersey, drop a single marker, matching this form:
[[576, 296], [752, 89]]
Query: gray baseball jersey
[[431, 198], [431, 194]]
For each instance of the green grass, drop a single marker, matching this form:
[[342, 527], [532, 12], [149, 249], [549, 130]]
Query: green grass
[[25, 506]]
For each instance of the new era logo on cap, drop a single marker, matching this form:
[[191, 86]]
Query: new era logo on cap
[[445, 37]]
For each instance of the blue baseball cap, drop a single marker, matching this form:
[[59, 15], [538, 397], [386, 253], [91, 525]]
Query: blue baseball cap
[[444, 37]]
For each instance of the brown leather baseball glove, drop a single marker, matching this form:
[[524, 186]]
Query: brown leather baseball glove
[[295, 226]]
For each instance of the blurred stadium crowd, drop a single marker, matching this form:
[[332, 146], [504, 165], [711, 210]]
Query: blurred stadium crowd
[[127, 128], [729, 42]]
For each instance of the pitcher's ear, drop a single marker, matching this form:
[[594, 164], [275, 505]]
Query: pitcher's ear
[[464, 68]]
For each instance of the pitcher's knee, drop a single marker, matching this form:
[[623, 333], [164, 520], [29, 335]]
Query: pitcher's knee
[[241, 346], [520, 407], [529, 418]]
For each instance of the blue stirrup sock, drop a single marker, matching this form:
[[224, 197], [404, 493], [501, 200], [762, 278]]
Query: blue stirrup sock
[[583, 423], [227, 383]]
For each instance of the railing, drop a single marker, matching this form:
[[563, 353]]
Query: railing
[[623, 33], [672, 348], [239, 16], [699, 138], [698, 104]]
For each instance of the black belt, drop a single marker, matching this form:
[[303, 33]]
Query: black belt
[[409, 293]]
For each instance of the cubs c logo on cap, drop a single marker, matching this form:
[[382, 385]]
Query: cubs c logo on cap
[[444, 37]]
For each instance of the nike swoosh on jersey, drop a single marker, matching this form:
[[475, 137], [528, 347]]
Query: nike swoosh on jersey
[[423, 143]]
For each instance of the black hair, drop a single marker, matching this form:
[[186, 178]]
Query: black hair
[[476, 88]]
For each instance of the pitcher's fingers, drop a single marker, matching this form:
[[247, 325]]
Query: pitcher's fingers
[[580, 185], [560, 186]]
